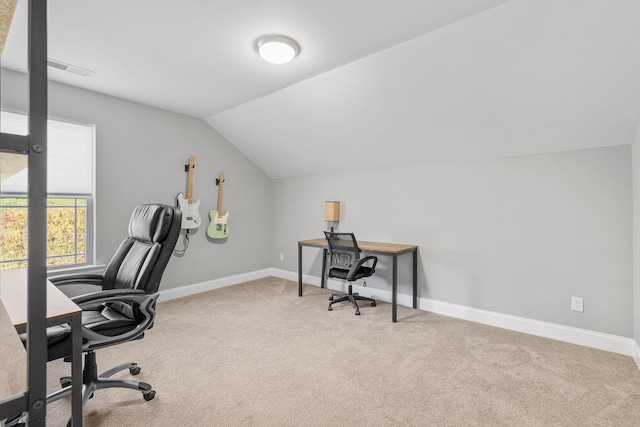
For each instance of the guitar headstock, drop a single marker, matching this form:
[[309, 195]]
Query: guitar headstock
[[221, 179], [191, 165]]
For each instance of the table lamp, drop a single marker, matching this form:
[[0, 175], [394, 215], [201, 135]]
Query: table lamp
[[332, 214]]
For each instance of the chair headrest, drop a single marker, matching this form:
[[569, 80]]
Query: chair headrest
[[151, 223]]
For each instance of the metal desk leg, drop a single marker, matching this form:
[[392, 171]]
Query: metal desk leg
[[299, 270], [324, 268], [76, 370], [415, 278], [394, 290]]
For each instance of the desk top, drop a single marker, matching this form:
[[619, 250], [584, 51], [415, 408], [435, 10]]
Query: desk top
[[13, 293], [13, 314], [13, 357], [372, 247]]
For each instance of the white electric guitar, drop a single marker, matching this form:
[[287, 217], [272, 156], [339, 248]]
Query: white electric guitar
[[190, 214]]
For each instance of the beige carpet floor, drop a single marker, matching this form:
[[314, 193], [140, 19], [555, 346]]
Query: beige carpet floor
[[256, 354]]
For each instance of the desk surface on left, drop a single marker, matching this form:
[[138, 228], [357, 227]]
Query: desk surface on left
[[13, 292], [13, 359]]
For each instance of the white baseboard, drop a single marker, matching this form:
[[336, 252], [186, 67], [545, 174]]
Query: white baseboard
[[584, 337], [196, 288], [636, 353]]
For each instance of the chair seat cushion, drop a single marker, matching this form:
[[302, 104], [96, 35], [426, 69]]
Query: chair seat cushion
[[340, 273], [104, 320], [55, 334]]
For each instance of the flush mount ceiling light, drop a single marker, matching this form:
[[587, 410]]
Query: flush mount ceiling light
[[277, 49]]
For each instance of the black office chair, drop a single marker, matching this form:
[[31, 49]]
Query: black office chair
[[124, 306], [345, 263]]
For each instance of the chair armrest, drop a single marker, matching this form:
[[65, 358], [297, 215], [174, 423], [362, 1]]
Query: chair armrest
[[111, 295], [94, 340], [360, 262], [74, 285], [76, 278]]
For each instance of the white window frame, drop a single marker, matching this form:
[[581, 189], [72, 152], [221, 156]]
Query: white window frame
[[90, 229]]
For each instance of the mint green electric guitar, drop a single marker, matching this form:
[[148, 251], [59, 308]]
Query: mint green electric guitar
[[219, 228]]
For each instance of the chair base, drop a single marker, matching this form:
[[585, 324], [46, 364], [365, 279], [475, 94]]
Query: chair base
[[92, 381], [352, 298]]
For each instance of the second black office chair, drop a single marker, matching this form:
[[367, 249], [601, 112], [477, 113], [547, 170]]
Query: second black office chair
[[345, 263]]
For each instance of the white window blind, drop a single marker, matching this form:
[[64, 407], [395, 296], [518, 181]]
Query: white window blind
[[69, 159]]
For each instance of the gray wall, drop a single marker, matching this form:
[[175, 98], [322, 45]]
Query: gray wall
[[517, 235], [141, 153]]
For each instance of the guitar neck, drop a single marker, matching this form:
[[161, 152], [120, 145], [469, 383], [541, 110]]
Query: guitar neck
[[190, 185], [220, 194]]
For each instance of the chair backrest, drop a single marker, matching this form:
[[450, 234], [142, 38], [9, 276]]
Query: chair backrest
[[142, 257], [343, 249]]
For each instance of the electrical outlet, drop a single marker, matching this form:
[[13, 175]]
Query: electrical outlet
[[281, 256], [577, 304]]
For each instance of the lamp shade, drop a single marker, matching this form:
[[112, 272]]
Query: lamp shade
[[332, 211]]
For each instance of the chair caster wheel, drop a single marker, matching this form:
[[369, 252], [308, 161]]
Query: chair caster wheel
[[65, 381], [149, 395], [16, 421], [373, 304], [330, 308], [357, 313], [135, 370]]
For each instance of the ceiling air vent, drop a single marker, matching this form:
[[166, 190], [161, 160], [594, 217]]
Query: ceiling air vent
[[54, 63]]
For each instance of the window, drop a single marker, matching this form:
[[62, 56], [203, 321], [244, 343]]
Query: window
[[70, 197]]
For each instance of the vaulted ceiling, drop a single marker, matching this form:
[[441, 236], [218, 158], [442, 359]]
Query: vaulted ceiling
[[378, 84]]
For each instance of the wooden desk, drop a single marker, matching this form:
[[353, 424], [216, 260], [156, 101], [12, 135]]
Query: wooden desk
[[389, 249], [13, 371], [60, 309]]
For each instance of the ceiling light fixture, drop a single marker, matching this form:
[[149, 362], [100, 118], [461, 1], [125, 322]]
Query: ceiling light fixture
[[277, 49]]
